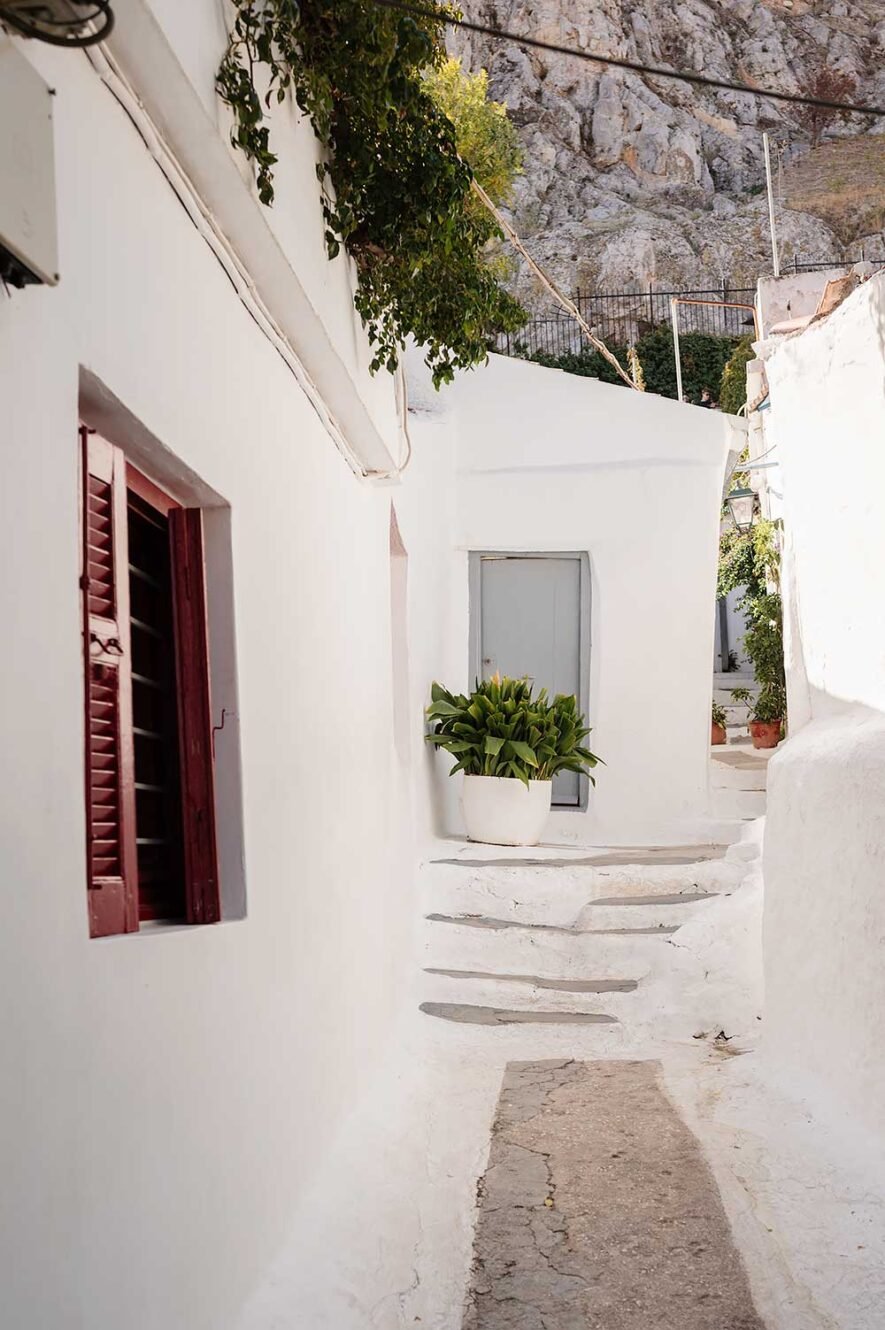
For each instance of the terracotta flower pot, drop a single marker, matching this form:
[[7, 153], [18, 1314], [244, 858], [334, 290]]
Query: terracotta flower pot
[[718, 735], [765, 733]]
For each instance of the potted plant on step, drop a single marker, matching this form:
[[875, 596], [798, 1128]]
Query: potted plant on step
[[767, 713], [509, 745], [719, 734]]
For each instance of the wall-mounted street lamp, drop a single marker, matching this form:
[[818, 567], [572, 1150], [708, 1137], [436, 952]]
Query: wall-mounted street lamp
[[742, 506], [72, 23]]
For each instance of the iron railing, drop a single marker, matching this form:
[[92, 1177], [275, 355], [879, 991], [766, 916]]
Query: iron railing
[[619, 317]]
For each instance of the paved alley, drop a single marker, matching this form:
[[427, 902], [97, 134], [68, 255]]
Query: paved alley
[[598, 1212]]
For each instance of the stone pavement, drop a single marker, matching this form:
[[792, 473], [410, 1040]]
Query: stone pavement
[[597, 1210]]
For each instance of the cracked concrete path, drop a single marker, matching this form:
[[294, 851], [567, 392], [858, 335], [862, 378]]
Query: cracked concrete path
[[597, 1210]]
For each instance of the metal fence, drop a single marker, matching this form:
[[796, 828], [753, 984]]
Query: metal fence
[[619, 317]]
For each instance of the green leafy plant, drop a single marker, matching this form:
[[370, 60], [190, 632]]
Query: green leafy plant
[[751, 561], [771, 704], [704, 357], [719, 715], [768, 707], [396, 190], [733, 388], [502, 730]]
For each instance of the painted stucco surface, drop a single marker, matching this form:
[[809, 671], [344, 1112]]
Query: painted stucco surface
[[825, 910], [169, 1094], [172, 1096]]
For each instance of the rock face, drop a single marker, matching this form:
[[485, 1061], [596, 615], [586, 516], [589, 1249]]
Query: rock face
[[631, 179]]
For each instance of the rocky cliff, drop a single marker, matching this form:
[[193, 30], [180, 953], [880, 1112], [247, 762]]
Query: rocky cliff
[[631, 180]]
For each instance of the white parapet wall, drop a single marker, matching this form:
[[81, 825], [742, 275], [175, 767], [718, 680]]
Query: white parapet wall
[[825, 833], [549, 461]]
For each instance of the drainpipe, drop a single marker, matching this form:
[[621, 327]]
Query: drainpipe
[[674, 315]]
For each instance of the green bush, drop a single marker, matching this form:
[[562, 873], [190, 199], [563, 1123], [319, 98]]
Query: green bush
[[733, 392], [501, 730], [751, 561], [704, 357]]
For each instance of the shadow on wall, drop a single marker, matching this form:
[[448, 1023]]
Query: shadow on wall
[[824, 920]]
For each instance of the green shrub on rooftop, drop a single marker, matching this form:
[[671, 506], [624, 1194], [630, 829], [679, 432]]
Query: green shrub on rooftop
[[704, 357]]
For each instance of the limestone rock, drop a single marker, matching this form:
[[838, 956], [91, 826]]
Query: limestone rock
[[632, 179]]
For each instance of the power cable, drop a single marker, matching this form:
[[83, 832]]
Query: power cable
[[554, 290], [616, 62]]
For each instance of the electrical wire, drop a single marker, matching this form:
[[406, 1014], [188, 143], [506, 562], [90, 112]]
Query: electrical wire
[[52, 30], [615, 62], [563, 300]]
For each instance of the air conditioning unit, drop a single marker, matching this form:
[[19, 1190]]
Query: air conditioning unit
[[28, 232]]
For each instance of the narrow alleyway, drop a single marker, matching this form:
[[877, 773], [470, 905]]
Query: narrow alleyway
[[597, 1011]]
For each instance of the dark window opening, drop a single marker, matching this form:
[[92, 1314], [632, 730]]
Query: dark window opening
[[158, 804]]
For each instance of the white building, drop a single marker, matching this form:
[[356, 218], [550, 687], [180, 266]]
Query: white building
[[170, 1090], [824, 906]]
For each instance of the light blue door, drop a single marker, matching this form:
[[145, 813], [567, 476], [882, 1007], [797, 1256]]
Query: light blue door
[[530, 624]]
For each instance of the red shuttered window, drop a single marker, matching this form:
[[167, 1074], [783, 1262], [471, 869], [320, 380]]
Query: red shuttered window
[[149, 768]]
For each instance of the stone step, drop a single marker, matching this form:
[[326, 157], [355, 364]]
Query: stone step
[[511, 948], [745, 804], [539, 981], [725, 681], [489, 988], [465, 1014], [729, 770], [554, 890], [602, 922]]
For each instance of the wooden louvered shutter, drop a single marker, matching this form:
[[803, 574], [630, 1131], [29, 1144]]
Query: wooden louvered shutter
[[194, 715], [110, 790]]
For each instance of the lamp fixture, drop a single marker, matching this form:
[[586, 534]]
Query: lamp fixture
[[59, 22], [742, 506]]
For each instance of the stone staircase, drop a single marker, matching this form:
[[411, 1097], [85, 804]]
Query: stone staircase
[[538, 938]]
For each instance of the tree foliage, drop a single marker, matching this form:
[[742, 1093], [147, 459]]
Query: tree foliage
[[397, 193], [733, 390], [830, 85], [751, 561], [485, 136]]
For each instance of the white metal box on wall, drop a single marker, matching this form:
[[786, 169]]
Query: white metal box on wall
[[28, 232]]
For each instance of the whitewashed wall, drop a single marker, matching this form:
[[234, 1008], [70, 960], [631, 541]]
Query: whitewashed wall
[[551, 461], [825, 833], [168, 1095]]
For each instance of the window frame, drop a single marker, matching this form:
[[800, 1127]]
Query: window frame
[[113, 902]]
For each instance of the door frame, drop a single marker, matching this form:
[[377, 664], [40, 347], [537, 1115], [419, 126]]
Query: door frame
[[474, 662]]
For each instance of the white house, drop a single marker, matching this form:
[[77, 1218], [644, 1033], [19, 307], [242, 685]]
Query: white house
[[191, 1014]]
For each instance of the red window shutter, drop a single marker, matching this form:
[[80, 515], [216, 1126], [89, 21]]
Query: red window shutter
[[194, 715], [110, 789]]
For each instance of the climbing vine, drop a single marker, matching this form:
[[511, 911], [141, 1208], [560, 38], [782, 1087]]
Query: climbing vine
[[751, 561], [396, 192]]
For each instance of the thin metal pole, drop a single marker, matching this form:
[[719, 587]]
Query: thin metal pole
[[674, 315], [767, 146]]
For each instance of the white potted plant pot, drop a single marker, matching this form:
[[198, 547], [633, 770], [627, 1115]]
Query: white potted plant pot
[[504, 811]]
